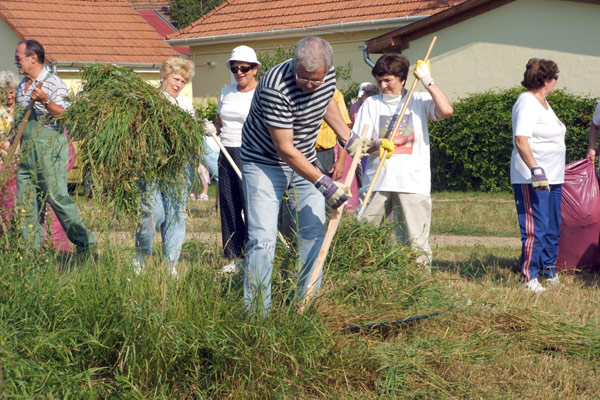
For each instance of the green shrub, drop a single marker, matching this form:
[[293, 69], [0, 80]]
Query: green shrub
[[471, 150], [209, 111]]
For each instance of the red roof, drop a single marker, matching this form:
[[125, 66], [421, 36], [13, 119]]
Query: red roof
[[246, 16], [86, 30], [161, 25]]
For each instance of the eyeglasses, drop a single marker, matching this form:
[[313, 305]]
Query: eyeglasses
[[555, 77], [243, 68], [307, 81], [19, 58]]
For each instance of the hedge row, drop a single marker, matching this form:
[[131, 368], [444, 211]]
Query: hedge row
[[471, 150]]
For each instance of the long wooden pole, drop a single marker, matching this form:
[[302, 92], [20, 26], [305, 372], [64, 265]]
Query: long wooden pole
[[334, 221], [365, 201], [10, 155]]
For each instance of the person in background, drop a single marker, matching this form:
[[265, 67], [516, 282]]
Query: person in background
[[326, 143], [537, 171], [232, 111], [365, 90], [8, 89], [208, 167], [42, 168], [278, 152], [404, 184], [593, 133], [164, 209]]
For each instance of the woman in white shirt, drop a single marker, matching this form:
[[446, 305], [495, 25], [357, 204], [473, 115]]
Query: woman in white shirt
[[537, 171], [233, 108]]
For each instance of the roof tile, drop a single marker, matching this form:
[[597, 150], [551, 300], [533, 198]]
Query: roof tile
[[246, 16], [86, 30]]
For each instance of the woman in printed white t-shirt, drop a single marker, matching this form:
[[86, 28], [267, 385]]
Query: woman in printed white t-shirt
[[537, 171]]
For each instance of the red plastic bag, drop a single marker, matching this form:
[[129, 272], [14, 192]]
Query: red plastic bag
[[580, 212]]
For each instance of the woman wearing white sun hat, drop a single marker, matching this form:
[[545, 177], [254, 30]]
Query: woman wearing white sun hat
[[233, 108]]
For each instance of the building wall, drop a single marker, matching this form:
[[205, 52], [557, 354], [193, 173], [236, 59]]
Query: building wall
[[8, 44], [210, 79], [490, 51]]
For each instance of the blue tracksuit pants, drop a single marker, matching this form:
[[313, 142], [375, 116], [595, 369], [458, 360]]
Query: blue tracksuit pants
[[539, 221]]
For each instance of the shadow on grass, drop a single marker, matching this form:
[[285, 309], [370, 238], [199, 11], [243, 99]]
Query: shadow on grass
[[477, 267]]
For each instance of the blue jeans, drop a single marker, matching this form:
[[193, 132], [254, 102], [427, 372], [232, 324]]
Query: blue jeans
[[210, 159], [263, 192], [163, 210]]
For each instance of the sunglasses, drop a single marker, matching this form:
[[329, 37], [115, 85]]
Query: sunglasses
[[244, 68], [555, 77], [307, 81]]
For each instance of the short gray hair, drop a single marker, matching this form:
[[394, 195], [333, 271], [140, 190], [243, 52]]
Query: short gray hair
[[312, 53], [8, 79]]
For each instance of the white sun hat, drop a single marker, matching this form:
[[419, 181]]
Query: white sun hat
[[242, 53]]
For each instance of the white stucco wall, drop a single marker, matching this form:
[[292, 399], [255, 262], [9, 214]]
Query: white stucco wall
[[491, 50], [8, 44], [211, 78]]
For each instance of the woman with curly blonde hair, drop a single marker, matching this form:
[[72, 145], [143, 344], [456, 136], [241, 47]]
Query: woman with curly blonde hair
[[162, 209]]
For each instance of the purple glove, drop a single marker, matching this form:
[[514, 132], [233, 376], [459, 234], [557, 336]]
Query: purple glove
[[539, 180], [334, 192], [355, 143]]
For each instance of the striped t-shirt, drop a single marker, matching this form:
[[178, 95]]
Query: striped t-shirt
[[279, 103], [55, 89]]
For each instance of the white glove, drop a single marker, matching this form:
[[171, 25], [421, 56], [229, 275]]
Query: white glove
[[209, 127], [423, 73]]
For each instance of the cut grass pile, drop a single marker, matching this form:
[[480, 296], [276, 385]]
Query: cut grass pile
[[127, 132], [100, 331]]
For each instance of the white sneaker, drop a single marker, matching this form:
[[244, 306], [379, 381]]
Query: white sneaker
[[233, 267], [173, 272], [138, 264], [554, 281], [533, 286]]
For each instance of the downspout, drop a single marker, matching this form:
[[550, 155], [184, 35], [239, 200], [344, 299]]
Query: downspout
[[366, 58]]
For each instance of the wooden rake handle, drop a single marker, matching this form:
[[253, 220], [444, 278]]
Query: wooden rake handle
[[334, 221], [394, 132], [17, 139]]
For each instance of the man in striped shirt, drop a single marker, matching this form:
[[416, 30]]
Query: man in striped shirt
[[278, 154], [42, 169]]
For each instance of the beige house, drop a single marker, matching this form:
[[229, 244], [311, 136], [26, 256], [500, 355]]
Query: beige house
[[264, 25], [482, 44], [485, 44], [79, 32]]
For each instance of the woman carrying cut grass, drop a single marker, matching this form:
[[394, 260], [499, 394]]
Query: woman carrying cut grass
[[163, 206], [537, 172]]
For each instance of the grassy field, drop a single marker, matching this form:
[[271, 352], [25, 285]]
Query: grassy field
[[82, 328]]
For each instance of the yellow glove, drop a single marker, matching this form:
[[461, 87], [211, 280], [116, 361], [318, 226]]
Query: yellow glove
[[385, 145], [423, 72]]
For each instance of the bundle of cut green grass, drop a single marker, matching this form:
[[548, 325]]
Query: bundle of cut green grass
[[128, 133]]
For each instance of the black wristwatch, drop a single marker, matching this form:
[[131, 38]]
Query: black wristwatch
[[46, 103]]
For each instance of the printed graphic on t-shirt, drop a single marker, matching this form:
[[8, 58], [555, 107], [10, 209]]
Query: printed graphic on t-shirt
[[405, 138]]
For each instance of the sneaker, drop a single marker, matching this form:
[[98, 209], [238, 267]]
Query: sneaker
[[554, 282], [533, 286], [202, 197], [233, 267], [173, 272], [139, 263], [137, 267]]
